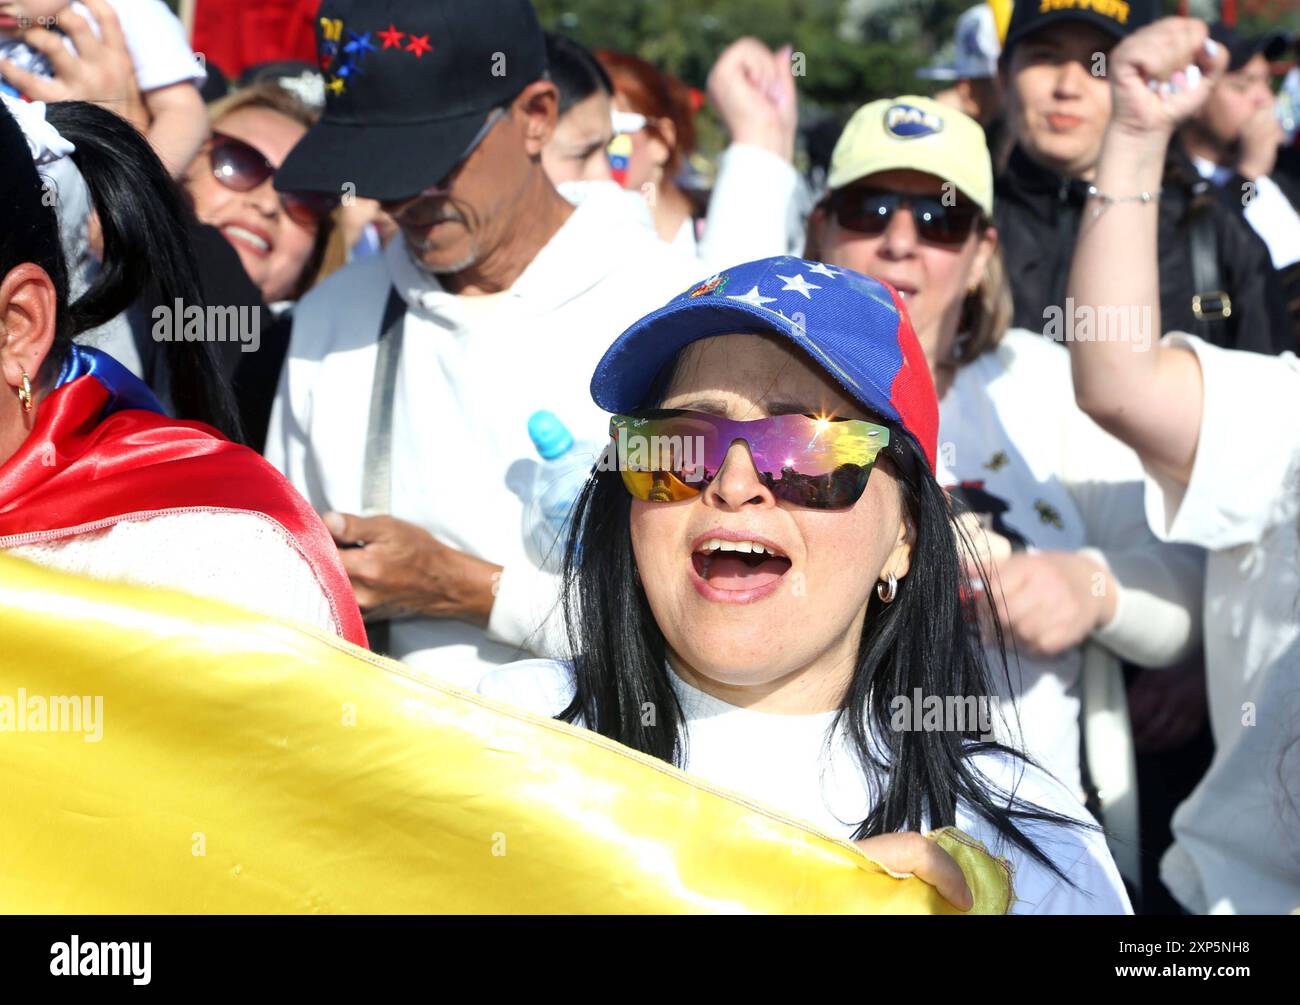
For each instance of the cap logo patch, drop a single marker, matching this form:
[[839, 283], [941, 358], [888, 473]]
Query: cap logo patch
[[1116, 10], [907, 122], [343, 59], [714, 284]]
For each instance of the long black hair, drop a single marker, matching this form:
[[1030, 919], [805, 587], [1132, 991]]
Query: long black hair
[[143, 218], [928, 638]]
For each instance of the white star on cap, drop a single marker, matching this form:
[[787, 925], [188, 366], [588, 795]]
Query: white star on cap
[[799, 284], [755, 298], [821, 268]]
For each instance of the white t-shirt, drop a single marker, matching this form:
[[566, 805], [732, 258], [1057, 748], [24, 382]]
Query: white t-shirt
[[1237, 836], [1017, 451], [472, 370], [154, 36], [786, 762]]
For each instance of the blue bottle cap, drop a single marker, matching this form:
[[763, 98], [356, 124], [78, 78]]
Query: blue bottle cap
[[550, 436]]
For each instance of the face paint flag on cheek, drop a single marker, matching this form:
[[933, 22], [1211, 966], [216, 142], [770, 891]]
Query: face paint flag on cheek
[[619, 153]]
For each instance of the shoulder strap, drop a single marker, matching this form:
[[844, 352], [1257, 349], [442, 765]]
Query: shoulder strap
[[377, 486], [377, 472], [1211, 304]]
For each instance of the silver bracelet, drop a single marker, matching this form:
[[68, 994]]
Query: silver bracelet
[[1109, 200]]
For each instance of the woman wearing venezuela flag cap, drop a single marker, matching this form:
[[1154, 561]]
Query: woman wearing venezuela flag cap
[[94, 477], [763, 586]]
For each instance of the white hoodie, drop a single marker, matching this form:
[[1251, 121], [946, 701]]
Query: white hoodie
[[473, 369]]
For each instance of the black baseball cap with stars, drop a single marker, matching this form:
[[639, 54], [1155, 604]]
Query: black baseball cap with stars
[[408, 85]]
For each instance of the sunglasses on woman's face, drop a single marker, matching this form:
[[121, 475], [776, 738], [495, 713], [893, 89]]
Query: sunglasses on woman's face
[[869, 210], [668, 455], [241, 168]]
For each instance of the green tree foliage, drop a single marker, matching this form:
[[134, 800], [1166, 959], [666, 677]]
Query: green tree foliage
[[853, 50]]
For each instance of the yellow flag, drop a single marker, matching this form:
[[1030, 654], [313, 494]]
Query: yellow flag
[[162, 753]]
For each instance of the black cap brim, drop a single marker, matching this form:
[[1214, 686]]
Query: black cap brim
[[384, 162], [1018, 33]]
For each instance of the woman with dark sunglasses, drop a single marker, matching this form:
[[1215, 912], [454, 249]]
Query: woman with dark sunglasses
[[281, 239], [273, 247], [763, 579], [1081, 582]]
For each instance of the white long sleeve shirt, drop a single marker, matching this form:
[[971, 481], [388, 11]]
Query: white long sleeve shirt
[[1237, 836], [472, 370], [758, 208], [1022, 455]]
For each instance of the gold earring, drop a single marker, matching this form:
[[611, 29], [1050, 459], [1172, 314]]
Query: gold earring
[[25, 393], [888, 590]]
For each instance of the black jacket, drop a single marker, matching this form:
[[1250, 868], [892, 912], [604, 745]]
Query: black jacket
[[1037, 216]]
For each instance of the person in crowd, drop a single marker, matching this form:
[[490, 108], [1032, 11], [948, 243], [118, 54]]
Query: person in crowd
[[1236, 143], [1216, 276], [1217, 432], [1076, 569], [584, 128], [972, 76], [285, 242], [759, 203], [577, 158], [33, 57], [282, 239], [654, 135], [404, 403], [94, 477], [753, 608]]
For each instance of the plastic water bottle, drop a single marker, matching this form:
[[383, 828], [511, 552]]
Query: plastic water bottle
[[566, 464]]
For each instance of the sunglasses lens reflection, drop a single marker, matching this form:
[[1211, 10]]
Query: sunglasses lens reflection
[[238, 166], [806, 461]]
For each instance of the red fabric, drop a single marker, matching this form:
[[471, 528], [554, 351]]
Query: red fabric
[[913, 392], [237, 34], [75, 470]]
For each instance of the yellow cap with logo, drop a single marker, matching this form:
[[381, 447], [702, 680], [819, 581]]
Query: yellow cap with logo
[[911, 132]]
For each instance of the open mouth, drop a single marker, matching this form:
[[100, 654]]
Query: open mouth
[[742, 566], [255, 242]]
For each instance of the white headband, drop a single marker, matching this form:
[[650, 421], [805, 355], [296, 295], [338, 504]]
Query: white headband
[[45, 142]]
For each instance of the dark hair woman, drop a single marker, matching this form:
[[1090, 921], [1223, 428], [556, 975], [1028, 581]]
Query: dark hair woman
[[94, 478], [768, 592]]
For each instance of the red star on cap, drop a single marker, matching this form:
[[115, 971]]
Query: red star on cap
[[392, 37], [419, 45]]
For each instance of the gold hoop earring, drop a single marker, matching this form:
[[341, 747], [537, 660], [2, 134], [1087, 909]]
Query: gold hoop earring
[[25, 393], [888, 590]]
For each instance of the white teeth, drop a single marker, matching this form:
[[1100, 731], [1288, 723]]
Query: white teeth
[[248, 236], [744, 547]]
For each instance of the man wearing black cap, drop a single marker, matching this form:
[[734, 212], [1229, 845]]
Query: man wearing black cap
[[411, 376], [1216, 279], [1235, 143]]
